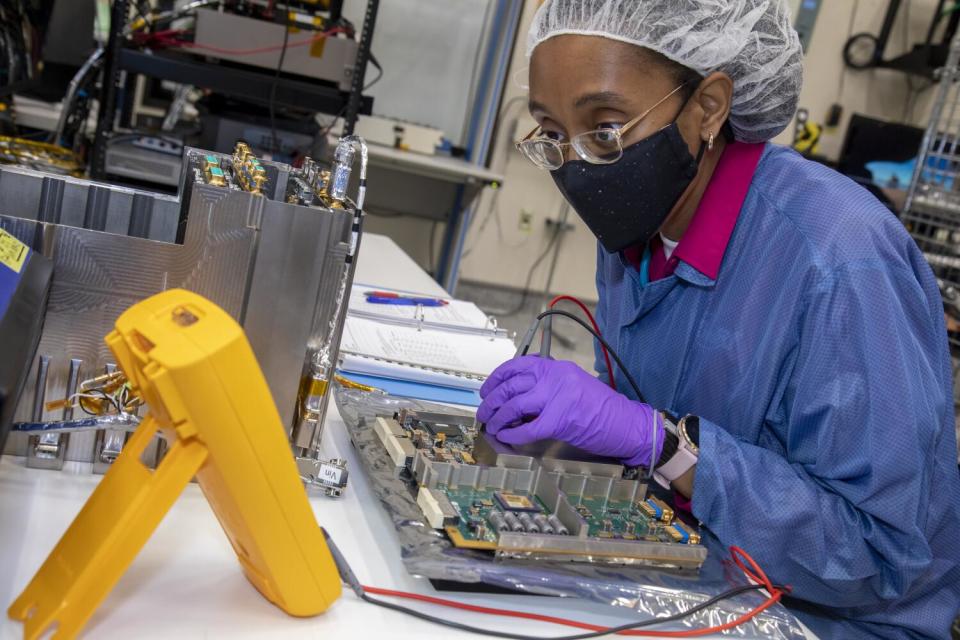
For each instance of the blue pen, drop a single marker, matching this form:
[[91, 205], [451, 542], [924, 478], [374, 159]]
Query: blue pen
[[406, 302]]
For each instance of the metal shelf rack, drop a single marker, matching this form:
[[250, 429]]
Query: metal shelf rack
[[237, 82], [229, 80], [932, 209]]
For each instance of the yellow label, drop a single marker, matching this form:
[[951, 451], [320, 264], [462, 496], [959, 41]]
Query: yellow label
[[316, 49], [310, 386], [13, 253]]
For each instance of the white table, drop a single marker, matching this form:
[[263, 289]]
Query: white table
[[186, 582], [383, 263]]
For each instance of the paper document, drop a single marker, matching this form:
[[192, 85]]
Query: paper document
[[365, 365], [456, 356], [457, 315]]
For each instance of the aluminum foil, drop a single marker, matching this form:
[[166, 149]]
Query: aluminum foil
[[121, 422], [649, 592]]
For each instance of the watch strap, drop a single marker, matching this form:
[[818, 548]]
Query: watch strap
[[675, 467], [670, 444], [678, 456], [670, 438], [691, 424]]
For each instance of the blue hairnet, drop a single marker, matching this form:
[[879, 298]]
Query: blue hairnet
[[752, 41]]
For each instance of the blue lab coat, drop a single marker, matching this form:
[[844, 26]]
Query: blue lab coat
[[819, 365]]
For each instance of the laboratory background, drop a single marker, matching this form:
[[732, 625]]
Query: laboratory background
[[510, 318]]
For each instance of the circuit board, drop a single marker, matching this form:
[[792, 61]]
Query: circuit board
[[441, 442], [521, 507], [436, 437], [483, 514], [648, 519]]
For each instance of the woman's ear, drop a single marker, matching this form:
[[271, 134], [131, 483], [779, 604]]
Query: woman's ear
[[715, 97]]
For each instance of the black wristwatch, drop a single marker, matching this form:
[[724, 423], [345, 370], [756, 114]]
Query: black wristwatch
[[681, 448]]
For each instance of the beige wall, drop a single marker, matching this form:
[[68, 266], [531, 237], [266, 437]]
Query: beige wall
[[504, 259], [877, 93]]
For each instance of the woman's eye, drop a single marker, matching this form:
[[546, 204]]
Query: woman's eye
[[606, 131], [556, 136]]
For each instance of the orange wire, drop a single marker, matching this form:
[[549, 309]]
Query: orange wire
[[739, 557], [583, 307]]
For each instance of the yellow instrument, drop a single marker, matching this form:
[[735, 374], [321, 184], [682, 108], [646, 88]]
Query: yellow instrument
[[192, 365]]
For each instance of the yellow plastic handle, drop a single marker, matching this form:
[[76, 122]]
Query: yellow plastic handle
[[192, 364]]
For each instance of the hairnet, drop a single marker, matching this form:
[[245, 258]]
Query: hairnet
[[752, 41]]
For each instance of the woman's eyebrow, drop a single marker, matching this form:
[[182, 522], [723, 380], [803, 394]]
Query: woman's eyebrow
[[605, 97], [533, 107]]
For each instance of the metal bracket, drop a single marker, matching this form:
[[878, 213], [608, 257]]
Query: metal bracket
[[48, 451], [108, 445], [330, 476]]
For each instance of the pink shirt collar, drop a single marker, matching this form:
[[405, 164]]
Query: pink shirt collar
[[707, 237]]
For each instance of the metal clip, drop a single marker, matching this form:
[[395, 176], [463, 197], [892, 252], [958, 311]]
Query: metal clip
[[113, 443], [329, 476], [419, 316], [48, 446], [492, 327], [48, 451], [109, 445]]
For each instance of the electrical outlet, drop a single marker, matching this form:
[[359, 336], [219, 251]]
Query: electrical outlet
[[553, 224], [526, 221]]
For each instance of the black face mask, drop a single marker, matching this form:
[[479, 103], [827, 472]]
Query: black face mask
[[626, 202]]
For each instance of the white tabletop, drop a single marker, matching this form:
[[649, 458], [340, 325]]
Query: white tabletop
[[186, 582], [384, 264]]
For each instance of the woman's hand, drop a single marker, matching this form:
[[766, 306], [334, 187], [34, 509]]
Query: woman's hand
[[531, 398]]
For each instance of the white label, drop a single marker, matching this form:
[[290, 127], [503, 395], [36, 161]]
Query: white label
[[330, 473]]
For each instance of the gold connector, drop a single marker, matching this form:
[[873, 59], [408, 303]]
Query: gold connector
[[666, 513], [107, 380], [647, 509], [215, 176], [692, 536]]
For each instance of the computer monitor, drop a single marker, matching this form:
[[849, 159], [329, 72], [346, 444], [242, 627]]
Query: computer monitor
[[881, 156]]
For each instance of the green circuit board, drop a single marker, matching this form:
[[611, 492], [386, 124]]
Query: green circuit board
[[608, 519], [493, 507], [622, 520], [476, 506]]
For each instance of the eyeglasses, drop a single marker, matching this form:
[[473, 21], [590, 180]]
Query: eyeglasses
[[601, 146]]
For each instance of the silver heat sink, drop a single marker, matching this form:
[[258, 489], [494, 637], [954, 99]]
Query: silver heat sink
[[272, 265]]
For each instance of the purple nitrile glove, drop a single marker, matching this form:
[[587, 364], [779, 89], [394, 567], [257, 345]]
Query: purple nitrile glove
[[567, 403]]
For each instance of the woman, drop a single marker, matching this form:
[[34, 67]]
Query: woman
[[772, 307]]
